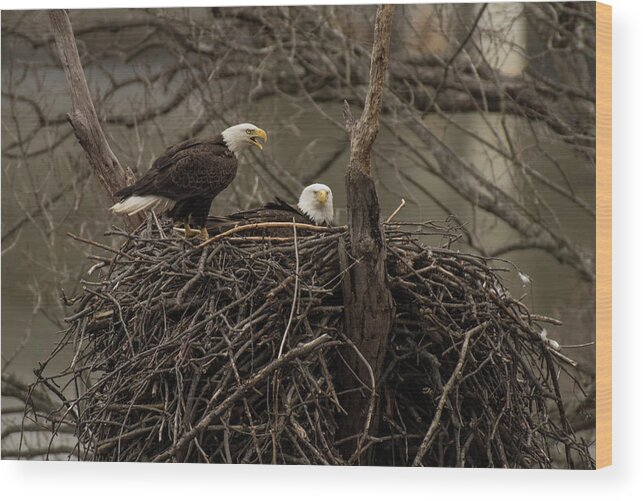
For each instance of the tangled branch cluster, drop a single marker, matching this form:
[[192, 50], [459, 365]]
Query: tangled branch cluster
[[234, 352]]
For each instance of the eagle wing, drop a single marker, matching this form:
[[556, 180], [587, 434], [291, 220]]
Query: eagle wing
[[276, 211], [188, 169]]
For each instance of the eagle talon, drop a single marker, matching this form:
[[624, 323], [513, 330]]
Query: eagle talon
[[203, 234], [190, 232]]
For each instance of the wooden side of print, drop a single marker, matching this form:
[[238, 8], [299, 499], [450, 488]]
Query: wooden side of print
[[603, 235]]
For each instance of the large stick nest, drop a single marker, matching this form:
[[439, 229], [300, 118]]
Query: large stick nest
[[232, 352]]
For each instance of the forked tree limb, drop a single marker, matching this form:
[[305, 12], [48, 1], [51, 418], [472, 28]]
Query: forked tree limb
[[83, 118]]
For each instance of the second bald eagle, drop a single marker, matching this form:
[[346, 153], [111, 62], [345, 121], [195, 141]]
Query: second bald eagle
[[315, 207], [190, 175]]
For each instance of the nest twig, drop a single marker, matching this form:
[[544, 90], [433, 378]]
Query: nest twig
[[224, 353]]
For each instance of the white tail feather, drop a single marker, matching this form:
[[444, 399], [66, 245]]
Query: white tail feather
[[134, 204]]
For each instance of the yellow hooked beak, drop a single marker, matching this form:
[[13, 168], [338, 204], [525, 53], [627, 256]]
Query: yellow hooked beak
[[259, 133], [322, 196]]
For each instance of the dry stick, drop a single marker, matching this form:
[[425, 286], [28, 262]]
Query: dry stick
[[428, 438], [250, 383], [543, 318], [118, 252], [395, 212], [294, 296], [562, 357], [561, 407], [257, 226]]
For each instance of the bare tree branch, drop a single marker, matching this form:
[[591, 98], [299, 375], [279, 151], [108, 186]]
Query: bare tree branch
[[112, 175]]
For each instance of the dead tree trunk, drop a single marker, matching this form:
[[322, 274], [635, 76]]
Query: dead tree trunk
[[83, 118], [369, 308]]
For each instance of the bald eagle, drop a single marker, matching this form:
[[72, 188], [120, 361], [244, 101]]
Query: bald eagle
[[315, 207], [190, 175]]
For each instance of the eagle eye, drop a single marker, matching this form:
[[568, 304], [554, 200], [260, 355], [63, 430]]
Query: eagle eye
[[248, 131]]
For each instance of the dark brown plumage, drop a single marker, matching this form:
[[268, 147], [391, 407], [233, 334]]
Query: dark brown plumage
[[188, 176], [277, 211], [192, 174]]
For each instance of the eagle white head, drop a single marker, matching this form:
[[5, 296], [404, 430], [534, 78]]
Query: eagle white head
[[316, 201], [241, 136]]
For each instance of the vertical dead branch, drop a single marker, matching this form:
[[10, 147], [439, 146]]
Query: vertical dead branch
[[369, 307], [112, 175]]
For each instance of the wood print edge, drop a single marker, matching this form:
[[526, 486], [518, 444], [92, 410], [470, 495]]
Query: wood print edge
[[603, 235]]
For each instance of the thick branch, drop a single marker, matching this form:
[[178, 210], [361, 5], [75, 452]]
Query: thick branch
[[112, 175], [368, 304], [365, 131]]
